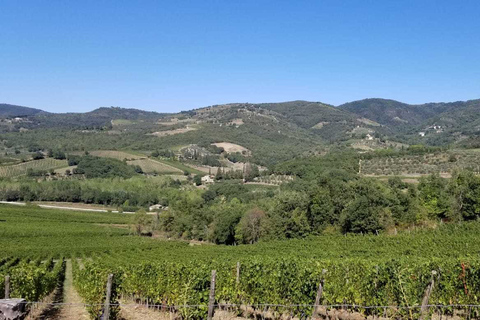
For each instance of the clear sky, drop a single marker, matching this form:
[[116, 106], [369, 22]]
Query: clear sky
[[177, 55]]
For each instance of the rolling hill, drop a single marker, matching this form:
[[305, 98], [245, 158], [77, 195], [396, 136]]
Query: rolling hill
[[96, 119], [274, 132], [307, 114], [11, 110]]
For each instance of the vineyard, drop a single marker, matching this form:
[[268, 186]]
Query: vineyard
[[273, 179], [444, 162], [22, 168], [280, 276], [152, 166], [31, 279]]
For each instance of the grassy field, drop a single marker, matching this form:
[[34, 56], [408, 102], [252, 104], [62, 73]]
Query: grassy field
[[21, 169], [151, 166]]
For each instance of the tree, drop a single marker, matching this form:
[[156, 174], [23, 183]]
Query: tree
[[322, 210], [34, 148], [464, 187], [58, 154], [226, 217], [219, 175], [251, 172], [141, 222], [452, 158], [249, 229], [370, 208], [197, 180], [434, 196], [287, 215], [38, 155], [209, 195], [360, 216]]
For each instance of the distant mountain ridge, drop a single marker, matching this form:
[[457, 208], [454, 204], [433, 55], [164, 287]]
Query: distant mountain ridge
[[429, 123], [395, 113]]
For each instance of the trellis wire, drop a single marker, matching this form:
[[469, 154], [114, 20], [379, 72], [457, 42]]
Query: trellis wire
[[225, 305]]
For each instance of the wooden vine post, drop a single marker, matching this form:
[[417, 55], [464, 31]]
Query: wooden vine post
[[426, 297], [238, 273], [318, 299], [7, 287], [106, 310], [211, 298]]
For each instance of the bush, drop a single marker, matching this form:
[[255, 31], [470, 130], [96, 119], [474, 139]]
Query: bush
[[38, 156]]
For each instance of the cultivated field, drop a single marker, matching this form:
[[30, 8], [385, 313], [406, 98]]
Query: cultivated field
[[21, 169], [120, 155], [417, 165], [204, 169], [181, 166], [151, 166]]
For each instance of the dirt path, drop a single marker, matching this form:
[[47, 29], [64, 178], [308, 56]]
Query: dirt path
[[131, 311], [73, 308]]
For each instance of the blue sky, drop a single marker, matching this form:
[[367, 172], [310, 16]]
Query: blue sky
[[177, 55]]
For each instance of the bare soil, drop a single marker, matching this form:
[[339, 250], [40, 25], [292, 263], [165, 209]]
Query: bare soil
[[48, 309]]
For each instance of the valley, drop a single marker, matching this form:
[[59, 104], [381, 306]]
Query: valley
[[368, 198]]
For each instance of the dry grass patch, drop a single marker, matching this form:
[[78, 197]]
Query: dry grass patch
[[173, 132], [320, 125], [62, 171], [231, 147], [174, 121], [368, 122], [236, 122]]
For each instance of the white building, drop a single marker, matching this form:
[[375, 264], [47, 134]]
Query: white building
[[207, 179]]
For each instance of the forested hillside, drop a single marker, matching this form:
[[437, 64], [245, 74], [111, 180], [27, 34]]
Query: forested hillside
[[393, 113], [408, 121]]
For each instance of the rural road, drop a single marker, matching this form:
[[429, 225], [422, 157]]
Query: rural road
[[47, 206]]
